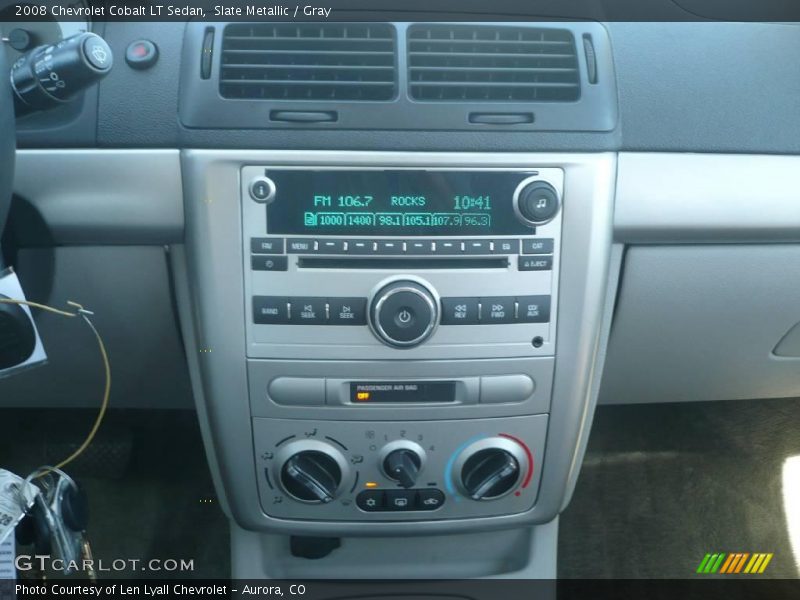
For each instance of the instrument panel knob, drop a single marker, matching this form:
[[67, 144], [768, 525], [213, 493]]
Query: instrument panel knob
[[536, 202]]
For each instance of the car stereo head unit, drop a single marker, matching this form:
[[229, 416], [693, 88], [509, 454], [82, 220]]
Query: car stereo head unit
[[387, 259]]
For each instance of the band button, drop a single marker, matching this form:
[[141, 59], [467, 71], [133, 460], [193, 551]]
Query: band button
[[270, 310]]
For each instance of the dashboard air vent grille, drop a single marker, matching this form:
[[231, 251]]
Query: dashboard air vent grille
[[330, 61], [492, 63]]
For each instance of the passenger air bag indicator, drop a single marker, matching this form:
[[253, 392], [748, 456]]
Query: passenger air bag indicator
[[402, 392]]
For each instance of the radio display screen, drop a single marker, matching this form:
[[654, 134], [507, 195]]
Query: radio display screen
[[394, 203]]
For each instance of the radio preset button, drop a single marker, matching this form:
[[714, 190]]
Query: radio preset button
[[419, 247], [497, 310], [270, 310], [477, 247], [460, 311], [330, 246], [390, 247], [537, 246], [448, 247], [308, 311], [361, 247], [506, 247], [535, 263], [266, 245], [269, 263], [347, 311], [533, 309]]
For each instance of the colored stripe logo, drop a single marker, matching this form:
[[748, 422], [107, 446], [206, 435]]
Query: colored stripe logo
[[734, 563]]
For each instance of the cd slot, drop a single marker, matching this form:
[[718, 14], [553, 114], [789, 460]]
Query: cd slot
[[403, 262]]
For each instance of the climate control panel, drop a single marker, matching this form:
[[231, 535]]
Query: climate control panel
[[398, 471]]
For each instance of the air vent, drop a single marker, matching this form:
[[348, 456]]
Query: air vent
[[331, 61], [492, 64]]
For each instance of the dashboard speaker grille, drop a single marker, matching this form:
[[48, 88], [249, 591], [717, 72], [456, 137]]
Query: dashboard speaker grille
[[330, 61], [492, 63]]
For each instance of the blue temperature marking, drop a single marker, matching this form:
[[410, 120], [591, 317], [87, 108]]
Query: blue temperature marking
[[448, 480]]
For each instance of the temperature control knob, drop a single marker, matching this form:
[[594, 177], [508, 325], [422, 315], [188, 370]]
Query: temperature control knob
[[402, 461], [312, 472], [536, 202], [490, 468], [404, 313]]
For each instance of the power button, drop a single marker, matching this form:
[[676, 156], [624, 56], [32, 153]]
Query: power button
[[404, 313]]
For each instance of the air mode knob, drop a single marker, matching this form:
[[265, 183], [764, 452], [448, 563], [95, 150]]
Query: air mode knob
[[313, 474], [490, 468], [536, 202], [403, 313]]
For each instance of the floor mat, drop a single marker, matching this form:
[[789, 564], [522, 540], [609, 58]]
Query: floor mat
[[148, 483], [662, 485]]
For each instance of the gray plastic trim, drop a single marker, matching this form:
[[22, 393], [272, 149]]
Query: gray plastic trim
[[685, 198], [102, 196]]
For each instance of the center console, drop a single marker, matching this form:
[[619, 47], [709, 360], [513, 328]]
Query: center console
[[394, 344]]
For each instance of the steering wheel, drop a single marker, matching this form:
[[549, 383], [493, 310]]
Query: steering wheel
[[7, 141]]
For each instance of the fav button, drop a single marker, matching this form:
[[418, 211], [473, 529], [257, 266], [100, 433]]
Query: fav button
[[347, 311], [266, 245], [497, 310]]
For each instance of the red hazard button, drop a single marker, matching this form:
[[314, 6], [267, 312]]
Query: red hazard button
[[141, 54]]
